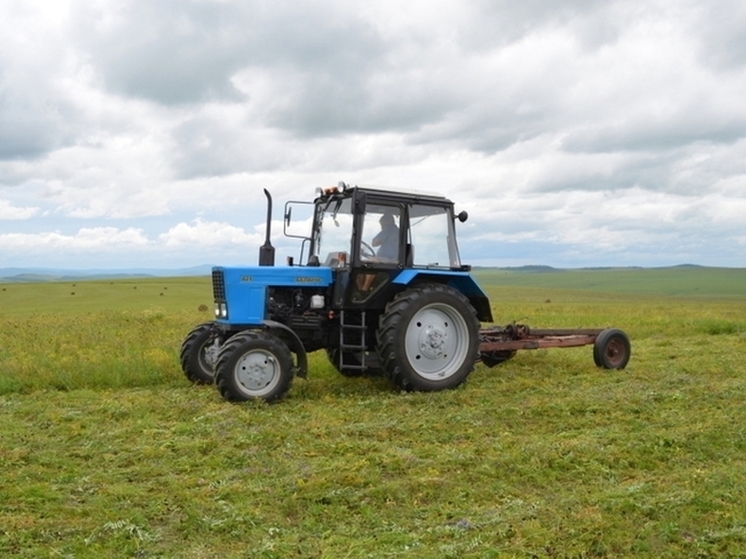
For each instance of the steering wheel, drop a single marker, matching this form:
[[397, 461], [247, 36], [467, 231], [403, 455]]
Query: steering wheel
[[366, 250]]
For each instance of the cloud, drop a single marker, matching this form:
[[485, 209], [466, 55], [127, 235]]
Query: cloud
[[86, 239], [178, 51], [8, 211], [615, 128], [721, 27], [33, 57], [205, 234]]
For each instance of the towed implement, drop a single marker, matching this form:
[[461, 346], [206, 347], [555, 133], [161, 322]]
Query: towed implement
[[379, 287]]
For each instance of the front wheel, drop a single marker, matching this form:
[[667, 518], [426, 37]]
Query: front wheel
[[428, 338], [198, 354], [254, 365], [612, 349]]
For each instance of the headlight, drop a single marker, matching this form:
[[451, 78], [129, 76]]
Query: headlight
[[221, 310]]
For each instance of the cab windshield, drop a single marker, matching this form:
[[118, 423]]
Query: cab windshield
[[333, 240]]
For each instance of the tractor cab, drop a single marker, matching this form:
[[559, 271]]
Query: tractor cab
[[369, 236]]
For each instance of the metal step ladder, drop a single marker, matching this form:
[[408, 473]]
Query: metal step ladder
[[352, 331]]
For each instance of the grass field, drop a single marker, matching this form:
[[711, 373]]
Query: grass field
[[107, 451]]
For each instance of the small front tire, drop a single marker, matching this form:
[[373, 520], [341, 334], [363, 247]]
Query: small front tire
[[254, 365], [199, 353]]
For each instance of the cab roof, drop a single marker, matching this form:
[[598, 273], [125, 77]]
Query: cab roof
[[343, 190]]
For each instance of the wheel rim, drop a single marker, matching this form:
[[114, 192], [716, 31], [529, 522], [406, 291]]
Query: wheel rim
[[437, 341], [615, 352], [208, 357], [257, 372]]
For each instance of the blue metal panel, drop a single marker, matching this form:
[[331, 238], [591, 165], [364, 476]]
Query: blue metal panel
[[246, 288], [461, 281]]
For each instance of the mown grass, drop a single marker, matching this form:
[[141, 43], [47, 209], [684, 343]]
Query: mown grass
[[98, 334], [544, 456]]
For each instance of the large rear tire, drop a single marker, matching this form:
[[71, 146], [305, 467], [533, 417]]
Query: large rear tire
[[254, 365], [199, 353], [428, 338]]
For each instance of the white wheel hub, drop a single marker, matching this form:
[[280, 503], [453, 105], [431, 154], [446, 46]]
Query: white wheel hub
[[257, 372], [211, 353], [433, 341], [437, 341]]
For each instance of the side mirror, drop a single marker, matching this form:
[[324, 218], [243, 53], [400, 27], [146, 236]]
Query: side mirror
[[462, 216], [300, 225]]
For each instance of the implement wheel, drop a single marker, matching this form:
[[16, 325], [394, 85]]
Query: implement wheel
[[428, 338], [199, 353], [254, 364], [612, 349]]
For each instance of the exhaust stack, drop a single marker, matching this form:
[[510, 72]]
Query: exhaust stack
[[267, 251]]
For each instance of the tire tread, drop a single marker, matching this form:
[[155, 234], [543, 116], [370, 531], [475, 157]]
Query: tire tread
[[223, 370], [391, 328]]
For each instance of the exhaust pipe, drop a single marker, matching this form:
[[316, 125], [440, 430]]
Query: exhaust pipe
[[267, 251]]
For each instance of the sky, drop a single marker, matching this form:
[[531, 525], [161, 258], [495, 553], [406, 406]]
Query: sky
[[577, 133]]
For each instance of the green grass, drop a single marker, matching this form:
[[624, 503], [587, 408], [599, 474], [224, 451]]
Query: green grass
[[96, 334], [85, 297], [707, 283], [107, 451]]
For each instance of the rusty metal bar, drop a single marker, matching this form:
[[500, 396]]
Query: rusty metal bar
[[543, 332], [537, 343], [519, 336]]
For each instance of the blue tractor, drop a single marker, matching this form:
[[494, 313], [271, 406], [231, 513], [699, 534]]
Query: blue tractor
[[381, 288]]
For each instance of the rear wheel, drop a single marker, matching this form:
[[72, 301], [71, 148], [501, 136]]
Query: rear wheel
[[428, 338], [199, 353], [254, 364], [612, 349]]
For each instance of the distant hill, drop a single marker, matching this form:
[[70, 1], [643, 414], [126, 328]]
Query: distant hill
[[531, 268], [688, 266], [534, 269], [35, 275]]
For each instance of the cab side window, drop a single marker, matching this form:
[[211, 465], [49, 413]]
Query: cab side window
[[431, 237], [381, 233]]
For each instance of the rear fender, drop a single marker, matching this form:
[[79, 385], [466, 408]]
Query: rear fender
[[462, 282]]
